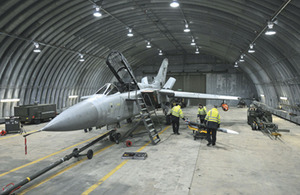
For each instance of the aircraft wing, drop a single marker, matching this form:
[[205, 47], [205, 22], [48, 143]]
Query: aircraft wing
[[191, 95]]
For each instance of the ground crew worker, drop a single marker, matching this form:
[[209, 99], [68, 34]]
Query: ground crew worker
[[212, 121], [176, 113], [201, 113]]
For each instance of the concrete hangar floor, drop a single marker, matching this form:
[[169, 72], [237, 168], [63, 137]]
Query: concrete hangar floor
[[248, 163]]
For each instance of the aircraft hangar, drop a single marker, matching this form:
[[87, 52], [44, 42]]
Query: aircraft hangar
[[56, 52]]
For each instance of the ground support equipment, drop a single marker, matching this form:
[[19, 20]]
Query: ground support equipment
[[76, 153]]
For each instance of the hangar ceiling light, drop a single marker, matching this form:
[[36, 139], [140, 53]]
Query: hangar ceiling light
[[174, 3], [193, 42], [197, 50], [236, 65], [251, 49], [148, 45], [186, 28], [81, 59], [160, 53], [270, 30], [37, 48], [242, 58], [130, 34], [97, 12]]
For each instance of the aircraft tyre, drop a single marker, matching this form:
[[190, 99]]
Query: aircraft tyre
[[253, 126], [115, 137], [129, 120], [111, 138]]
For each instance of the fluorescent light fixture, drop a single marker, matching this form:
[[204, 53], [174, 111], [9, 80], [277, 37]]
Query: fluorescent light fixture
[[73, 96], [197, 50], [36, 49], [81, 58], [160, 53], [148, 45], [174, 3], [186, 28], [193, 42], [262, 95], [229, 98], [270, 30], [9, 100], [130, 34], [251, 50], [283, 98], [97, 12]]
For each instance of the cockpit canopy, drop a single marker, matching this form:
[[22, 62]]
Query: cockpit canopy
[[108, 89]]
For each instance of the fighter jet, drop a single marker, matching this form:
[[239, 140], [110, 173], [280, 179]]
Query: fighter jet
[[114, 102]]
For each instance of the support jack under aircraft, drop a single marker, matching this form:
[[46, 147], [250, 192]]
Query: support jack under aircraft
[[124, 99]]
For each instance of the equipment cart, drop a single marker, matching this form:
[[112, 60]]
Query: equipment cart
[[199, 131]]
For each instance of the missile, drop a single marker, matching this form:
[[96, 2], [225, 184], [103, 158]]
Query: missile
[[229, 131], [195, 126]]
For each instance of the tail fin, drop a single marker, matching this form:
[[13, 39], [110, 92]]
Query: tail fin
[[162, 73]]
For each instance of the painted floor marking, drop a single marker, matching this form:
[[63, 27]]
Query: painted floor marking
[[93, 187], [62, 171], [43, 158]]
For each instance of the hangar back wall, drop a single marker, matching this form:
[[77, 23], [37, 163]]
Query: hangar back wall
[[237, 84], [206, 74]]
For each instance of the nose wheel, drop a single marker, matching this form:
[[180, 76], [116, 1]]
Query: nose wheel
[[115, 137]]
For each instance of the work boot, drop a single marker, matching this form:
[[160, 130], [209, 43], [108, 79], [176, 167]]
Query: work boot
[[214, 144], [178, 133], [208, 144]]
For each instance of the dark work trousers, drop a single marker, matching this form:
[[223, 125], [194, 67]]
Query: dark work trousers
[[202, 117], [175, 124], [212, 138]]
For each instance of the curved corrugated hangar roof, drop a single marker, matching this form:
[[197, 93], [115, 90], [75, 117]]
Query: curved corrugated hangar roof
[[223, 32]]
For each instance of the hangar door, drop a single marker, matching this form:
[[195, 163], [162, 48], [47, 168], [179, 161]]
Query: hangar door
[[191, 83]]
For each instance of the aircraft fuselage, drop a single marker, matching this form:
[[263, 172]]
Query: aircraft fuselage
[[96, 111]]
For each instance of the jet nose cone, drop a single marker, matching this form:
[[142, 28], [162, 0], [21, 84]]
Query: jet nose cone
[[80, 116]]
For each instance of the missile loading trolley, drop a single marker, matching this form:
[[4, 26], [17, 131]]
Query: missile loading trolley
[[260, 119]]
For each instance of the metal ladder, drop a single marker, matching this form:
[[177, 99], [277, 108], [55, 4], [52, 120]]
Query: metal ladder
[[146, 117]]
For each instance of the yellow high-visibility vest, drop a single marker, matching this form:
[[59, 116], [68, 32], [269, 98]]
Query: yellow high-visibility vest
[[176, 111], [213, 116], [202, 111]]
